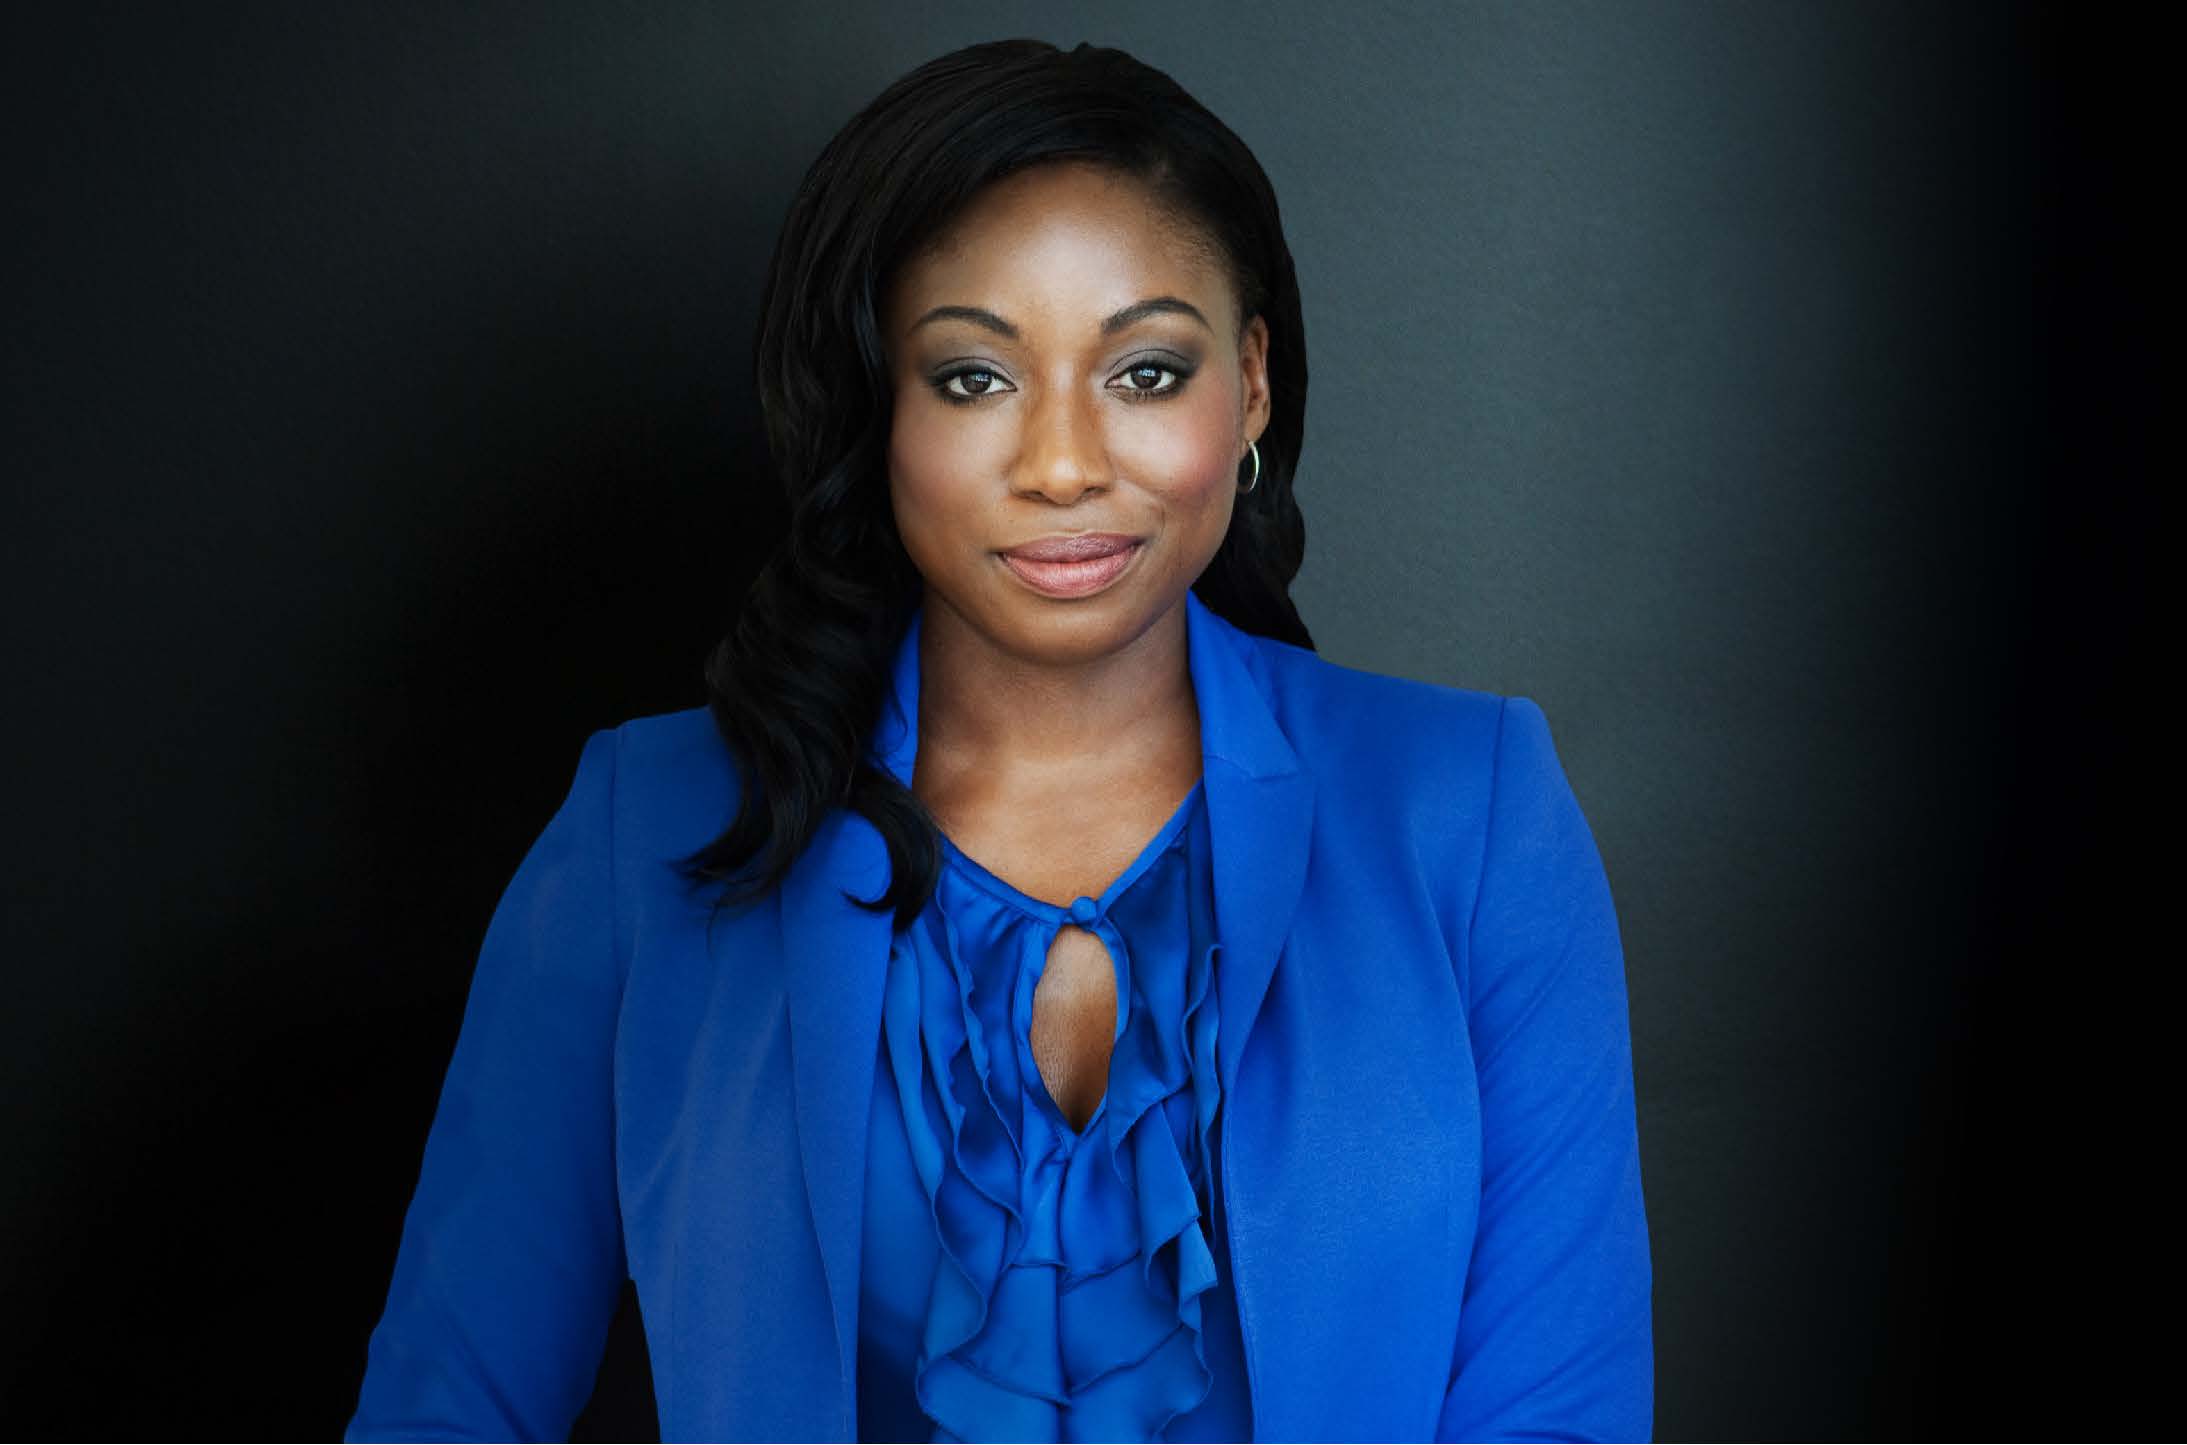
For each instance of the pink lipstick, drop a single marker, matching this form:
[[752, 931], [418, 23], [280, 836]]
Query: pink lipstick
[[1072, 566]]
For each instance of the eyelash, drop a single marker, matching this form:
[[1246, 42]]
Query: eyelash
[[1136, 394]]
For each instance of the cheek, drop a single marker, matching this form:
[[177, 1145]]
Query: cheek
[[1190, 450], [916, 452], [935, 447], [926, 471]]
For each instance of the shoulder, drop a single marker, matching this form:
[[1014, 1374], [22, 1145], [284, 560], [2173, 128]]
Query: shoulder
[[675, 780], [1435, 760], [1354, 723]]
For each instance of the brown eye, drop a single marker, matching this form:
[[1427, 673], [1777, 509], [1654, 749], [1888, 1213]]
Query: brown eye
[[979, 382], [1144, 379]]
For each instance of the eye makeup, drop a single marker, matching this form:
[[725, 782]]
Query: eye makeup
[[985, 376]]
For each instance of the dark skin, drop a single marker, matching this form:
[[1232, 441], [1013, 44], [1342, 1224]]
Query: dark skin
[[1057, 736]]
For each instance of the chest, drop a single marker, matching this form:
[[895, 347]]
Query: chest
[[1352, 1115], [1070, 843], [1058, 844]]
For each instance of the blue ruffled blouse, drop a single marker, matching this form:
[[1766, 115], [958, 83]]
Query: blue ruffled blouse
[[1022, 1280]]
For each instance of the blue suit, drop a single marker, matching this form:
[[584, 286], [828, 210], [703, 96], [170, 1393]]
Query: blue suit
[[1430, 1160]]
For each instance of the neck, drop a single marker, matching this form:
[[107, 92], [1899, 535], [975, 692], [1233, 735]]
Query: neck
[[1020, 718]]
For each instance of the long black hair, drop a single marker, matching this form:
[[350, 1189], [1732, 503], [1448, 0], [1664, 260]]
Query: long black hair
[[797, 686]]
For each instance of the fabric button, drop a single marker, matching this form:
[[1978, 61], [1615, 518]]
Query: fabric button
[[1084, 910]]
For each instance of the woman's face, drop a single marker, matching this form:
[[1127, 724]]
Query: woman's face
[[1038, 396]]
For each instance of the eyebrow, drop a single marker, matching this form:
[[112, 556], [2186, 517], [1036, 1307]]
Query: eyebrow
[[1137, 311]]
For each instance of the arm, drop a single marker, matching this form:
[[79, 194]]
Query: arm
[[1555, 1341], [512, 1255]]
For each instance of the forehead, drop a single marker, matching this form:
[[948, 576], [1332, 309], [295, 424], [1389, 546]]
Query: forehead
[[1057, 242]]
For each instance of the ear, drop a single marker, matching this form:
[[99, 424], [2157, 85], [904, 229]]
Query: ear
[[1253, 368]]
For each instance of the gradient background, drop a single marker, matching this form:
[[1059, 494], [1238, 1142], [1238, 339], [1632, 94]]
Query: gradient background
[[1759, 388]]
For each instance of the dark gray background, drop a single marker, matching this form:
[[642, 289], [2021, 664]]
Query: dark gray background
[[1754, 386]]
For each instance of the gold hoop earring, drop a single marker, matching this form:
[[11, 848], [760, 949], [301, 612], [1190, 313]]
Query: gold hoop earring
[[1249, 486]]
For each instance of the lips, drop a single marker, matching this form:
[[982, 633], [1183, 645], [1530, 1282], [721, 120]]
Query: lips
[[1083, 547], [1101, 562]]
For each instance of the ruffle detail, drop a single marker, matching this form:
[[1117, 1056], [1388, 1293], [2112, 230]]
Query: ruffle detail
[[1066, 1305]]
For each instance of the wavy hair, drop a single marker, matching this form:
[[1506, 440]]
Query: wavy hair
[[797, 686]]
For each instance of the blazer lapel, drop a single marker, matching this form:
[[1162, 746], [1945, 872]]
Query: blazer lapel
[[1260, 808], [838, 968], [1260, 803], [837, 963]]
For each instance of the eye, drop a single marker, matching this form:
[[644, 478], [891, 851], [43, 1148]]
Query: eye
[[979, 382], [1151, 372]]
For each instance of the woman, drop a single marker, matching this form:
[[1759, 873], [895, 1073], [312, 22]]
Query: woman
[[1102, 1018]]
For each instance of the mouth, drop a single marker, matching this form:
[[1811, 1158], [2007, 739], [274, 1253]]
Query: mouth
[[1073, 566]]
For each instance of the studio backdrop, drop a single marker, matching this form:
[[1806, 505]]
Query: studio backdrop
[[381, 423]]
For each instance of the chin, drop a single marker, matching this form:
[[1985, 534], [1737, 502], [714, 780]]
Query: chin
[[1085, 629]]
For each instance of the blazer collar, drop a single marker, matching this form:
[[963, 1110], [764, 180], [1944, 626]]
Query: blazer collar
[[1260, 809]]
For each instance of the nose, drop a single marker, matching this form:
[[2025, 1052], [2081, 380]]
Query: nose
[[1063, 452]]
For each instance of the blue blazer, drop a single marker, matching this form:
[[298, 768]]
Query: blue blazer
[[1431, 1167]]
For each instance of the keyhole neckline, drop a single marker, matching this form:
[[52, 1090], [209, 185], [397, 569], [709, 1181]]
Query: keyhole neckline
[[1084, 910]]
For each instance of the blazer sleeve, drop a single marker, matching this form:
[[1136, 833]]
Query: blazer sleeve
[[511, 1258], [1555, 1336]]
